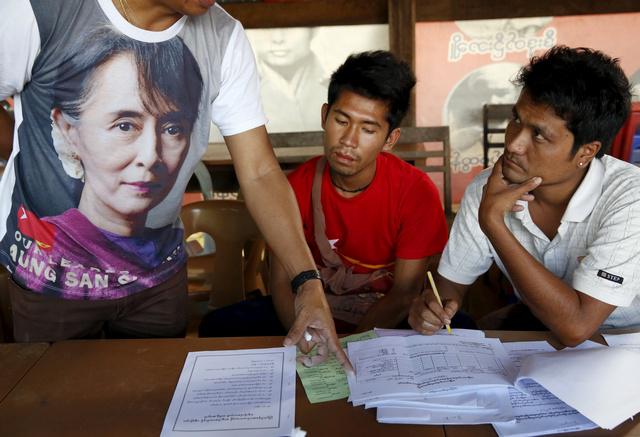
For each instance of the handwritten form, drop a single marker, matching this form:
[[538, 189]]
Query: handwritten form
[[239, 392], [540, 412], [328, 381]]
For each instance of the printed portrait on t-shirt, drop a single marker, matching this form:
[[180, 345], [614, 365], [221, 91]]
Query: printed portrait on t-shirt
[[122, 113]]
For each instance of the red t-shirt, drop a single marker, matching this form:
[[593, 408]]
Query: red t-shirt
[[398, 216]]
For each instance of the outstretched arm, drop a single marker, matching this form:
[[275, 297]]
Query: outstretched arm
[[283, 297], [271, 202]]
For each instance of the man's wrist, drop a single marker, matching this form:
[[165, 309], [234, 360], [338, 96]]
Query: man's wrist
[[303, 278], [491, 224]]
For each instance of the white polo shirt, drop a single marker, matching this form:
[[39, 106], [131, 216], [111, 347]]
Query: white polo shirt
[[596, 250]]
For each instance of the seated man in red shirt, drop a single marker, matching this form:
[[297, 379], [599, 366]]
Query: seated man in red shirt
[[371, 220]]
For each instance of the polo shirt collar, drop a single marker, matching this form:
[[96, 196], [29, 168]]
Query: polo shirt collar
[[586, 196], [583, 200]]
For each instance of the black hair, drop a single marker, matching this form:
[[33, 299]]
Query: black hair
[[168, 75], [376, 75], [585, 87]]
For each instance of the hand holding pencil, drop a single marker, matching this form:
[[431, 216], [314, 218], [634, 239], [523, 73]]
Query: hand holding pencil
[[437, 295], [428, 312]]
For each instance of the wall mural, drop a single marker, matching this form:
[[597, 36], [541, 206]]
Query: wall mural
[[464, 64]]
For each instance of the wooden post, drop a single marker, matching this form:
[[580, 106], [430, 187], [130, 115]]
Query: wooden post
[[402, 41]]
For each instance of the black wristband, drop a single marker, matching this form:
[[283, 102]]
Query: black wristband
[[303, 277]]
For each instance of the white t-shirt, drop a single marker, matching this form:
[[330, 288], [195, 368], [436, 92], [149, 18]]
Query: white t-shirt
[[52, 56], [596, 250]]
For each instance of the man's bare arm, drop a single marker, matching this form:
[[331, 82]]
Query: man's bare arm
[[283, 297], [272, 204], [571, 315], [408, 280]]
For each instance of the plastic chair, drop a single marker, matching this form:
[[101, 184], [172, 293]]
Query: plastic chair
[[233, 270]]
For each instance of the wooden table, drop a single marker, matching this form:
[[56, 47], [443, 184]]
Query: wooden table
[[16, 359], [124, 387]]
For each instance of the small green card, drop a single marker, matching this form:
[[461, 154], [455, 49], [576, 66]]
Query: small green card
[[327, 381]]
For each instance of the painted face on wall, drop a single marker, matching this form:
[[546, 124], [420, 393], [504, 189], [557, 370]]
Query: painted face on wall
[[282, 48], [131, 155]]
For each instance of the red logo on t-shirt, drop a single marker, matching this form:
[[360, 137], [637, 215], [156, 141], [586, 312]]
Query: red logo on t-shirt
[[30, 225]]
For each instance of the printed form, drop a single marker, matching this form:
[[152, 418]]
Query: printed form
[[539, 412], [411, 367], [237, 392]]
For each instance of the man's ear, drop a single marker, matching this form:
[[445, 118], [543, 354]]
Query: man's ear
[[323, 113], [391, 140], [65, 128], [587, 152]]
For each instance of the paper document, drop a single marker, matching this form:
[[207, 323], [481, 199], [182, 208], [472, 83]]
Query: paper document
[[601, 383], [629, 341], [234, 393], [540, 412], [483, 406], [381, 332], [414, 366], [327, 381]]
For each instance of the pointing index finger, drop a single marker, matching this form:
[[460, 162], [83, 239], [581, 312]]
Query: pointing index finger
[[341, 356]]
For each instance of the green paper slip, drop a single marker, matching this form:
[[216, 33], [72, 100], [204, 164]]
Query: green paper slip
[[327, 381]]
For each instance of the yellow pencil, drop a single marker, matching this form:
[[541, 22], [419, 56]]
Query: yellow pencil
[[435, 292]]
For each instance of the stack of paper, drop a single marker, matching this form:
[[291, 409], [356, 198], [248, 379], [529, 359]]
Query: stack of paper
[[538, 412], [456, 380], [433, 380]]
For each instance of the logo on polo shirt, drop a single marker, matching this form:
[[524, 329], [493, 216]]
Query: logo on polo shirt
[[610, 277]]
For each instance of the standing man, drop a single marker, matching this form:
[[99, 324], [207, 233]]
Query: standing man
[[559, 217], [371, 220], [39, 42]]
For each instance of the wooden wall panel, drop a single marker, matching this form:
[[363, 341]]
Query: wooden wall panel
[[344, 12], [309, 13], [449, 10], [402, 42]]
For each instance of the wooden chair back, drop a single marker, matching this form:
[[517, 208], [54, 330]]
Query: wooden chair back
[[494, 124]]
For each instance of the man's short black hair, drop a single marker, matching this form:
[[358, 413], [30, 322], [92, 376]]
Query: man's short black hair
[[585, 87], [376, 75]]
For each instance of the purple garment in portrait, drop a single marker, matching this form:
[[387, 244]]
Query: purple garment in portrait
[[85, 262]]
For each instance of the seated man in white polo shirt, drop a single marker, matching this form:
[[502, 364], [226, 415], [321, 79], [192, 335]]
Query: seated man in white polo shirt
[[559, 217]]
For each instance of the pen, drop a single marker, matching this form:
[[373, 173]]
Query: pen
[[435, 292]]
